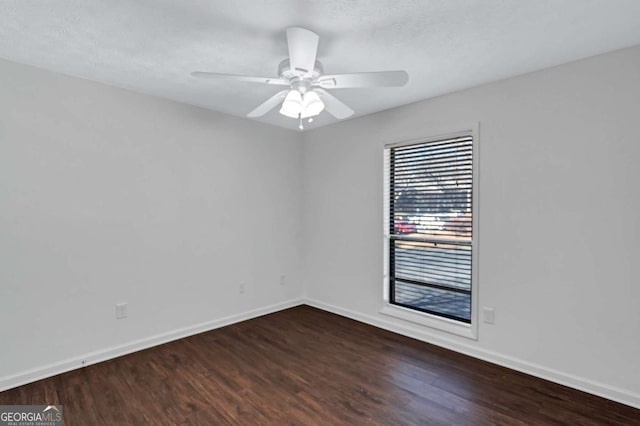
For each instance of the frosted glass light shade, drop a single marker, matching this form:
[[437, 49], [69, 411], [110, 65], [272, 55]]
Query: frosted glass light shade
[[292, 105], [312, 105]]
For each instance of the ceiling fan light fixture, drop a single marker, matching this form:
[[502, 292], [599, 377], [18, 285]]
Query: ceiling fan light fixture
[[312, 105], [305, 93], [292, 105]]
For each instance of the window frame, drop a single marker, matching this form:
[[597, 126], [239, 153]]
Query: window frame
[[468, 330]]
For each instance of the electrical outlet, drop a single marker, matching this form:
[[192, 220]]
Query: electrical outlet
[[283, 279], [121, 311], [241, 287], [487, 315]]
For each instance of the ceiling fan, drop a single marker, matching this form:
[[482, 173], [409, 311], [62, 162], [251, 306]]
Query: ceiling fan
[[307, 95]]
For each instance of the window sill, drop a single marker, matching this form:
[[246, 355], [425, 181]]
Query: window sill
[[431, 321]]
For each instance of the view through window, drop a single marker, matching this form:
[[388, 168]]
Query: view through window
[[430, 187]]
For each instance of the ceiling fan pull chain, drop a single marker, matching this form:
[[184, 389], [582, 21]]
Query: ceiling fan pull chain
[[300, 126]]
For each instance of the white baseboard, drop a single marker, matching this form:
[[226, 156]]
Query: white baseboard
[[32, 375], [600, 389]]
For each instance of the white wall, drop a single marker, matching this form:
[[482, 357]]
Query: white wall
[[558, 220], [110, 196]]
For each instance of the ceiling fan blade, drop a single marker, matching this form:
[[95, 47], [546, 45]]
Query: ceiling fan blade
[[363, 79], [245, 78], [268, 105], [303, 47], [333, 105]]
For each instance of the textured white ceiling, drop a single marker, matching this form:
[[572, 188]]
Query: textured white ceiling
[[151, 46]]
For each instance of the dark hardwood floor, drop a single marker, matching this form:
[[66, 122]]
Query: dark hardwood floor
[[306, 366]]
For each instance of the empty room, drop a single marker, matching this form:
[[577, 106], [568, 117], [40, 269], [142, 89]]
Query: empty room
[[319, 212]]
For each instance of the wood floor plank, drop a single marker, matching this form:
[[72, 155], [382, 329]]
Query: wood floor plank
[[303, 366]]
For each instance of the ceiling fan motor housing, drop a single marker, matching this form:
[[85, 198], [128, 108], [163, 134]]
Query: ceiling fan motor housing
[[285, 71]]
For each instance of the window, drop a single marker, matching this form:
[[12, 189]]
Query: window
[[429, 226]]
